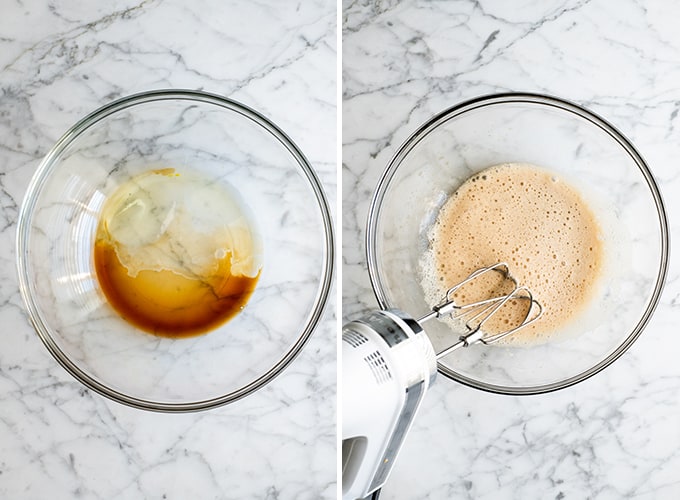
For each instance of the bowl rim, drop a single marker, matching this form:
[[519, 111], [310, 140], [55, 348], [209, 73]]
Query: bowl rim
[[533, 99], [25, 218]]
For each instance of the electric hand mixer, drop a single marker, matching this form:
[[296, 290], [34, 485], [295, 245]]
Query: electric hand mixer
[[389, 363]]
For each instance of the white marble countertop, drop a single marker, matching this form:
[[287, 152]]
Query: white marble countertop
[[62, 59], [616, 435]]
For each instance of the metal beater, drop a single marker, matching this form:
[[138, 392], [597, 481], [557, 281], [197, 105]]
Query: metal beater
[[388, 364]]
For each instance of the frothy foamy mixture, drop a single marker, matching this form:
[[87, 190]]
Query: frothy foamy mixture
[[536, 223]]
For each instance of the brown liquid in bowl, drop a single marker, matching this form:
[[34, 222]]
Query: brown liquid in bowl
[[176, 254], [169, 304]]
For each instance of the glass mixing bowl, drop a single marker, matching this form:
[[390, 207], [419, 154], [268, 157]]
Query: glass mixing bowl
[[222, 141], [580, 147]]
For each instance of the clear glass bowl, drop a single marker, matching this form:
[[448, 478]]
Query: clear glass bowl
[[580, 147], [222, 141]]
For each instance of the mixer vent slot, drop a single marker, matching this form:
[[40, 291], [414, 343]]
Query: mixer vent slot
[[380, 370], [355, 339]]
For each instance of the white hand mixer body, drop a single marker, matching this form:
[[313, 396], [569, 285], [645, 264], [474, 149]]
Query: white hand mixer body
[[388, 365]]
